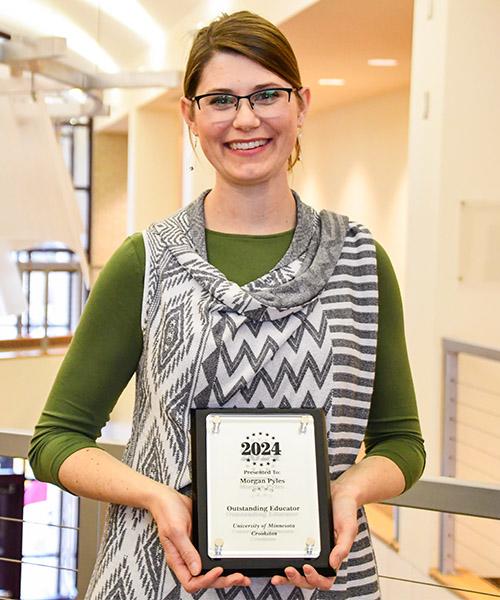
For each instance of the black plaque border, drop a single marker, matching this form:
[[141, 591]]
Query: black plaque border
[[259, 566]]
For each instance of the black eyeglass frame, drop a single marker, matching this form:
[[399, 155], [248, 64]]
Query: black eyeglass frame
[[248, 96]]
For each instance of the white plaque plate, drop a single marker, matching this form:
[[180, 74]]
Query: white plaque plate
[[262, 498]]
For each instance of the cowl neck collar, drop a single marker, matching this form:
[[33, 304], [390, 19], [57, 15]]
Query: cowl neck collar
[[295, 281]]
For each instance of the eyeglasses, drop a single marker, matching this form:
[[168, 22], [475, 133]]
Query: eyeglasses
[[267, 102]]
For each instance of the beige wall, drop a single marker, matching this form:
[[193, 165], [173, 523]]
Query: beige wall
[[26, 383], [470, 162], [109, 195], [355, 162]]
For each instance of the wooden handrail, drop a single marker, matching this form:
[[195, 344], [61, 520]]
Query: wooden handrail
[[26, 343]]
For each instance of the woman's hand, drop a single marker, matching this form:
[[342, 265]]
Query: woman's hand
[[310, 580], [172, 513], [345, 521]]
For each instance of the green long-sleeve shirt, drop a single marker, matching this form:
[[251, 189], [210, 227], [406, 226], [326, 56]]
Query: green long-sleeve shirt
[[107, 345]]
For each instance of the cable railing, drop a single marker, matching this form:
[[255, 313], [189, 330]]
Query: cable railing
[[469, 439], [442, 494], [14, 444]]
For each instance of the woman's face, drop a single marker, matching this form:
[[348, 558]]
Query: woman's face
[[236, 74]]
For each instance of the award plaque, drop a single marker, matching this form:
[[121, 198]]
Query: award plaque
[[261, 490]]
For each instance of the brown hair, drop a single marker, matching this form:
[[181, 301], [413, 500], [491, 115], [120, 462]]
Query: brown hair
[[252, 36]]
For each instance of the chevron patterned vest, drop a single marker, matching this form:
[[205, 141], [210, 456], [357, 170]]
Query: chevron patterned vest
[[302, 335]]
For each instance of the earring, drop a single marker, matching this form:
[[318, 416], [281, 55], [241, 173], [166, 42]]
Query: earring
[[195, 140]]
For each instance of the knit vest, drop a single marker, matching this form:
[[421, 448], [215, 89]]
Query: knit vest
[[302, 335]]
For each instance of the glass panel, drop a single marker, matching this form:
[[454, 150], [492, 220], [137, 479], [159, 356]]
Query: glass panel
[[47, 256], [69, 544], [37, 299], [65, 141], [478, 419], [64, 256], [58, 299], [82, 198], [81, 154], [39, 578], [414, 571], [477, 546], [48, 552], [77, 300]]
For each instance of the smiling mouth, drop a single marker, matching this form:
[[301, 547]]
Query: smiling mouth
[[250, 145]]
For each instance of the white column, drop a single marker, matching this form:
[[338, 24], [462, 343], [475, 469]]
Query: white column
[[154, 166]]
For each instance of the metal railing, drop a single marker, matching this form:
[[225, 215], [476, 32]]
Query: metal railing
[[443, 494], [15, 444], [452, 349], [75, 297]]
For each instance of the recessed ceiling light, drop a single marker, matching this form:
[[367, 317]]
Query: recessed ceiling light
[[382, 62], [331, 82]]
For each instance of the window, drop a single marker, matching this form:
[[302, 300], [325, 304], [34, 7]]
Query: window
[[51, 276]]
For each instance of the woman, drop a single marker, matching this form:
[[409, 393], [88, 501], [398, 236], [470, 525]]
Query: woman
[[247, 297]]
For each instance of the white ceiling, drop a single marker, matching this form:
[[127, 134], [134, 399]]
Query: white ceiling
[[335, 39], [332, 38]]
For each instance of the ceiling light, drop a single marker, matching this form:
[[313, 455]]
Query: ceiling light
[[336, 82], [382, 62], [46, 21]]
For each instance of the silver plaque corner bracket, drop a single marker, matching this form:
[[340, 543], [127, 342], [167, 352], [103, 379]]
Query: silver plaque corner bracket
[[310, 543], [216, 421], [218, 545], [305, 420]]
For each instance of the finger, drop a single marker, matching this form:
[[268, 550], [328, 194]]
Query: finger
[[231, 580], [279, 580], [195, 584], [210, 579], [345, 539], [171, 552], [316, 580], [296, 578], [176, 563], [187, 552]]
